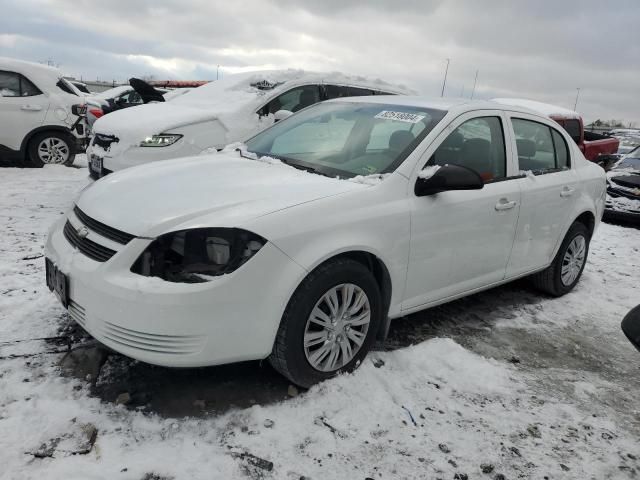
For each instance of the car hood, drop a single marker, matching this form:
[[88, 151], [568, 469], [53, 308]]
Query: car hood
[[151, 119], [222, 189], [625, 178]]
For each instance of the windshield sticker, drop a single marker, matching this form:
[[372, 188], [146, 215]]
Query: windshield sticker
[[399, 116]]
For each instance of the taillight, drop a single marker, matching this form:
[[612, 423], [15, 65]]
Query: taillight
[[96, 112]]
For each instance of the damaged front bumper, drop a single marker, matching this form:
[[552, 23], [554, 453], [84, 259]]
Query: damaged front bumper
[[231, 318]]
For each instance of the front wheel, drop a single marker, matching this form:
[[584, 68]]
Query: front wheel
[[329, 324], [50, 148], [564, 272]]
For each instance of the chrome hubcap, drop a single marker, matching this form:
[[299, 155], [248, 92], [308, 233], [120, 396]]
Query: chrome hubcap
[[337, 327], [53, 151], [573, 260]]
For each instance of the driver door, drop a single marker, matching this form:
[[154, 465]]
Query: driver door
[[462, 240]]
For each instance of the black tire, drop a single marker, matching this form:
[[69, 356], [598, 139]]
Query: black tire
[[33, 158], [288, 355], [550, 279]]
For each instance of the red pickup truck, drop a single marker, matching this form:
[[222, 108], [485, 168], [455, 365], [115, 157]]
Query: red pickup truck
[[595, 147]]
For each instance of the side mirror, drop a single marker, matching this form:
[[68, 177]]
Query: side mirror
[[448, 177], [631, 326], [281, 115]]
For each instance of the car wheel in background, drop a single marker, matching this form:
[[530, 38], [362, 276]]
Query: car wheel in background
[[567, 266], [330, 323], [50, 148]]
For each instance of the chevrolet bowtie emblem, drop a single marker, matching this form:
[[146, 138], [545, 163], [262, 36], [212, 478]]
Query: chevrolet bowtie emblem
[[82, 232]]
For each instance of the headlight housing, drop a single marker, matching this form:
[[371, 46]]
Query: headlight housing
[[161, 140], [197, 255]]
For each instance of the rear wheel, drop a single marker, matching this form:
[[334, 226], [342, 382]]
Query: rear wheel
[[567, 266], [50, 148], [330, 323]]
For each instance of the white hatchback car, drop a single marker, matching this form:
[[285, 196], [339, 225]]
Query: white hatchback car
[[42, 115], [302, 244], [214, 115]]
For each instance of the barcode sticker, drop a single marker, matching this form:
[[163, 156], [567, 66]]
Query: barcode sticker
[[399, 116]]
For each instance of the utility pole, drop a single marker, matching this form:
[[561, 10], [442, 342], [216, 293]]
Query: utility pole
[[474, 84], [218, 72], [444, 82], [575, 106]]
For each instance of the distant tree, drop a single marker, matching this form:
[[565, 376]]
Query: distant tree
[[597, 123]]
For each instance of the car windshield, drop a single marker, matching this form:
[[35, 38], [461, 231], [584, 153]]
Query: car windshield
[[346, 139]]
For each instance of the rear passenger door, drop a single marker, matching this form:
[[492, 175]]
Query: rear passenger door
[[22, 108], [549, 189]]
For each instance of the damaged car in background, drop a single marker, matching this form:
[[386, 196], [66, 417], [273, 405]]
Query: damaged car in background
[[623, 189], [301, 245], [214, 115]]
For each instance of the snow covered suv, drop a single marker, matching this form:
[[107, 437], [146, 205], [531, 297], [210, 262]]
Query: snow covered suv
[[214, 115], [41, 113], [300, 246]]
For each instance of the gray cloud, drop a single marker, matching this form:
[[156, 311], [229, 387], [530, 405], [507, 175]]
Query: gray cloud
[[542, 50]]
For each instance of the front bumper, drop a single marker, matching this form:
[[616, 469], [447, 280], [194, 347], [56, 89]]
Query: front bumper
[[233, 318], [622, 207], [132, 156]]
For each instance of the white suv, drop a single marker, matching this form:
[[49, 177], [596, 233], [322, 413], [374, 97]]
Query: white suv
[[41, 113]]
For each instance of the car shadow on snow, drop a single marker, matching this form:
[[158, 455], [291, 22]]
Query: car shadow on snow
[[470, 321]]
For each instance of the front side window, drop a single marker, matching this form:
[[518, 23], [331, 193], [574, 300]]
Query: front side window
[[15, 85], [477, 144], [293, 100], [539, 149], [347, 139]]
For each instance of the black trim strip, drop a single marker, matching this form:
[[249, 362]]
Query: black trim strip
[[102, 229], [89, 248]]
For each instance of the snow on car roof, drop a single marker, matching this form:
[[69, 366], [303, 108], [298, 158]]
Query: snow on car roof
[[544, 108], [254, 88], [36, 72]]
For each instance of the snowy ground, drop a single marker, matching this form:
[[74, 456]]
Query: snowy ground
[[507, 381]]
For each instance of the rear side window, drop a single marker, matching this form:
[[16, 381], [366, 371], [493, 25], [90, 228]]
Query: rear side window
[[477, 144], [540, 148], [339, 91], [293, 100], [15, 85], [573, 129]]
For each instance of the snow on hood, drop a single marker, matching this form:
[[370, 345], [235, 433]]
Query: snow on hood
[[222, 189], [233, 101]]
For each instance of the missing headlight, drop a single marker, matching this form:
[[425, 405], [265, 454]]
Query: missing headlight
[[198, 255]]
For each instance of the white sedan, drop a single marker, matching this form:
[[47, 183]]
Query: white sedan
[[301, 245]]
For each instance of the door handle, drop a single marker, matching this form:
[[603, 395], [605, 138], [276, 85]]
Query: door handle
[[31, 108], [504, 204], [567, 191]]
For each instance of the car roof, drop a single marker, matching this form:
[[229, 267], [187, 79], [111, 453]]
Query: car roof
[[546, 109], [44, 76], [256, 88], [439, 103]]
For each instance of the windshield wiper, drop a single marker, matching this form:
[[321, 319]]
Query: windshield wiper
[[291, 162]]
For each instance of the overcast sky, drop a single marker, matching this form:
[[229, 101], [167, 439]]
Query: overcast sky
[[542, 49]]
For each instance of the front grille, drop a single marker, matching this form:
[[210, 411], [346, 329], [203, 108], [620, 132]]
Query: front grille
[[104, 141], [76, 311], [102, 229], [91, 249], [168, 344]]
